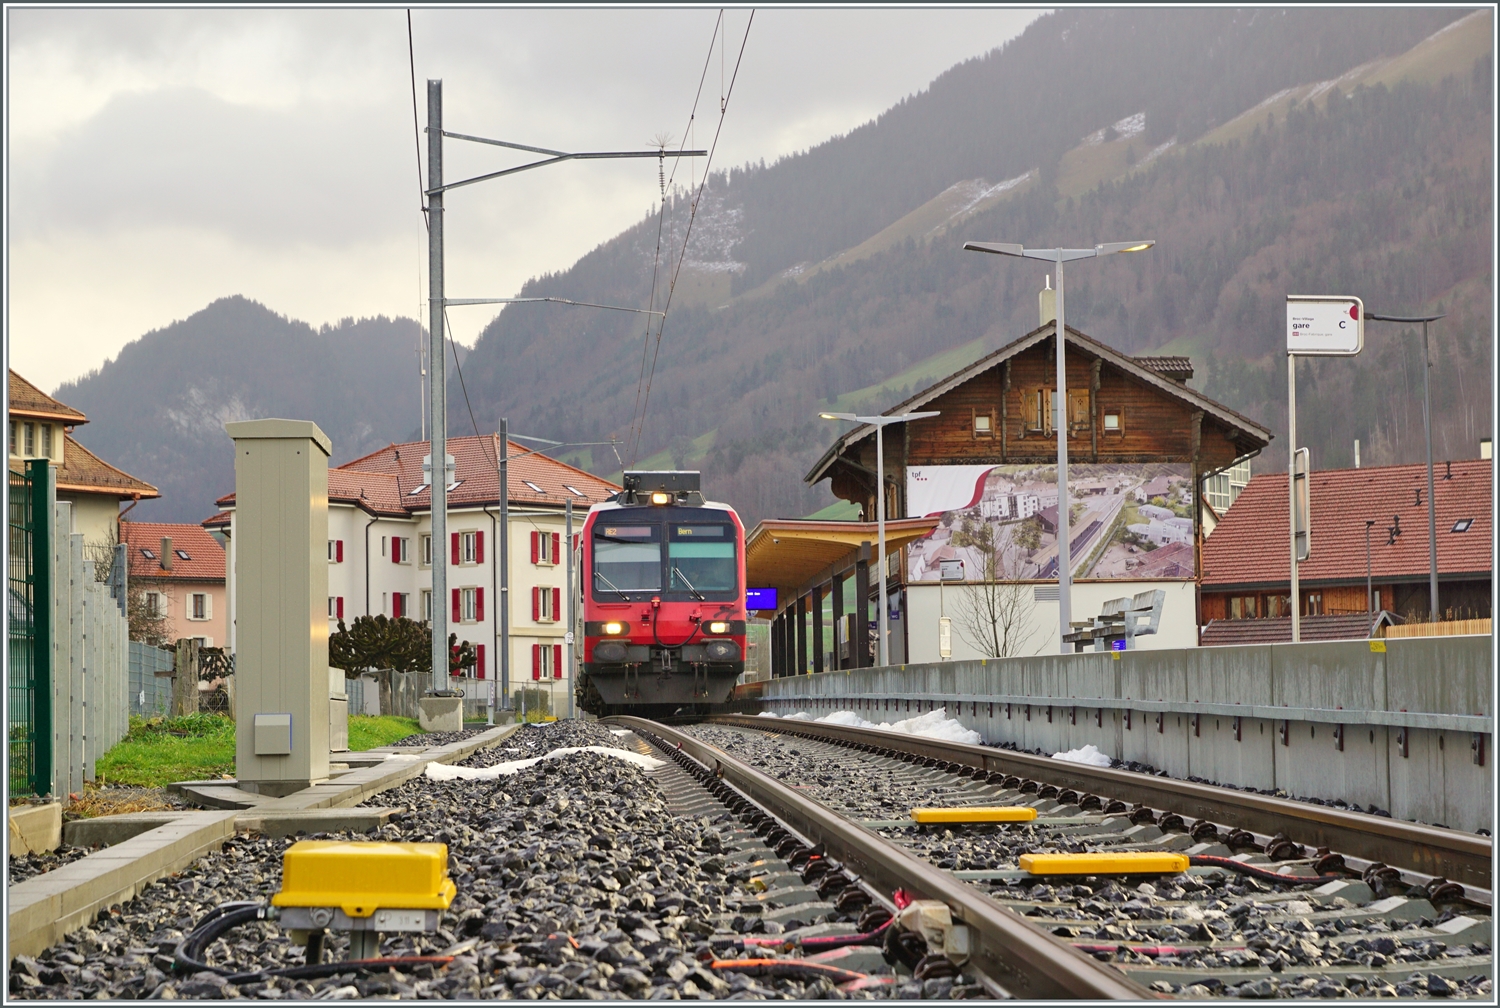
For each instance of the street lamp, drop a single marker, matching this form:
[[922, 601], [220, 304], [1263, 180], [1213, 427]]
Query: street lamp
[[880, 422], [1369, 580], [1432, 577], [1060, 401]]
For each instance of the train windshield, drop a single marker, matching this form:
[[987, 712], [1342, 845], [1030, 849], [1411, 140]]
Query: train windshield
[[627, 558], [701, 559]]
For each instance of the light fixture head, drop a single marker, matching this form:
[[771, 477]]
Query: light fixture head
[[838, 416], [1112, 247], [998, 248]]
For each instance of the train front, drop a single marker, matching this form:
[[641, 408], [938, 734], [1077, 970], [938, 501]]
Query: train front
[[664, 597]]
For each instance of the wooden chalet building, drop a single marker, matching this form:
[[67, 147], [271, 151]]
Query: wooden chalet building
[[1120, 411]]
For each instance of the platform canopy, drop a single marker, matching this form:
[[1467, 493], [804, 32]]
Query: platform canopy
[[793, 555]]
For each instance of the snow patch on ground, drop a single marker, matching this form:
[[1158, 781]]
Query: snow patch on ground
[[1128, 127], [1088, 755], [934, 724], [444, 772]]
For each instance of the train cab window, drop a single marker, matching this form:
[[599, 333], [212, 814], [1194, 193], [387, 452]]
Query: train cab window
[[701, 558], [627, 558]]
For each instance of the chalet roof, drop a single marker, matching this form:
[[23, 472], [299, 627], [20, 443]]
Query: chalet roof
[[1249, 545], [28, 400], [84, 472], [1278, 629], [389, 482], [1176, 368], [205, 556], [1252, 434]]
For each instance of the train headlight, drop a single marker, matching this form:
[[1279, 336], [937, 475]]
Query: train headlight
[[718, 628], [661, 497], [612, 629]]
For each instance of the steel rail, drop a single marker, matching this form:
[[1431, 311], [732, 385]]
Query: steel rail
[[1431, 850], [1027, 962]]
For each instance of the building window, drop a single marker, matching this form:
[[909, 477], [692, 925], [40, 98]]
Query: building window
[[534, 487], [468, 605], [1278, 605], [28, 433], [1112, 423], [470, 547], [573, 490], [546, 660], [1462, 525], [427, 551], [546, 603], [13, 426], [427, 606], [155, 605], [1243, 607], [400, 550], [400, 603], [336, 607], [545, 547], [984, 425], [200, 605], [47, 440], [1313, 606]]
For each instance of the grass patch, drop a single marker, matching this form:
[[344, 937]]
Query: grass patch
[[158, 751], [370, 732]]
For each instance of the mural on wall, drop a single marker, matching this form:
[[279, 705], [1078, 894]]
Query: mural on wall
[[999, 523]]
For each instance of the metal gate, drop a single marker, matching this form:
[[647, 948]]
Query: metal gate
[[29, 750]]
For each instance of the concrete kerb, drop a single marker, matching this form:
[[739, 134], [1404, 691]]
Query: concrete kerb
[[43, 909]]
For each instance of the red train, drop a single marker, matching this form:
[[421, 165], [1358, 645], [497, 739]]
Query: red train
[[663, 582]]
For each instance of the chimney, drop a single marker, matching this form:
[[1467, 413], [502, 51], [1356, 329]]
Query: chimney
[[1047, 301], [1485, 449], [166, 553]]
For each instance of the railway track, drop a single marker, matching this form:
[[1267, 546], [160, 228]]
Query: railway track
[[1377, 920]]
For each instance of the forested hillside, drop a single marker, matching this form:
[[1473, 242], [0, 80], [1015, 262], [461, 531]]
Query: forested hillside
[[158, 409], [1340, 150]]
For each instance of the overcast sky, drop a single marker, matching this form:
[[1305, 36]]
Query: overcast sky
[[160, 159]]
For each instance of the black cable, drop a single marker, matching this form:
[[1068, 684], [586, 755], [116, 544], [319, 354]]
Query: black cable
[[1264, 874], [416, 128], [692, 217]]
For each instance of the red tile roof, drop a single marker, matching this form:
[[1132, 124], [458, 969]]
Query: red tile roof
[[220, 520], [384, 481], [1249, 546], [28, 400], [84, 472], [1278, 630], [206, 557]]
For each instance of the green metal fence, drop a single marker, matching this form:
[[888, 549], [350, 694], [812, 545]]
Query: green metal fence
[[29, 736]]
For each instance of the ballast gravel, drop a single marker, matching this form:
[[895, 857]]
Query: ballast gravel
[[574, 881], [1176, 911]]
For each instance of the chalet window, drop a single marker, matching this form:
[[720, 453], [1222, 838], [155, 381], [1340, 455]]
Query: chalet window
[[1113, 424], [984, 424], [1312, 604], [1278, 605], [1243, 607]]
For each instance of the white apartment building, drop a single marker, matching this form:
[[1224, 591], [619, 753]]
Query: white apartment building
[[380, 549]]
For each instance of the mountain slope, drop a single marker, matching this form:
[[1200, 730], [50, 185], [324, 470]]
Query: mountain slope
[[158, 409]]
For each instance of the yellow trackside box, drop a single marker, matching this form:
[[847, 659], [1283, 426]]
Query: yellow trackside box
[[982, 814], [1105, 863], [362, 877]]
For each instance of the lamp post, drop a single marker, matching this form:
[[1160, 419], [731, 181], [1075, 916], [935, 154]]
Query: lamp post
[[1060, 402], [880, 423], [437, 397], [1432, 576], [1369, 581]]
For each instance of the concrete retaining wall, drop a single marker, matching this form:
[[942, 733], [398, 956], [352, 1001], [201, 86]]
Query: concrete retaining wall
[[1408, 729]]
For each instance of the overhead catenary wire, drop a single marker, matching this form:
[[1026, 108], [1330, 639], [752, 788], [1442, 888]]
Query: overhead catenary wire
[[687, 235], [660, 221]]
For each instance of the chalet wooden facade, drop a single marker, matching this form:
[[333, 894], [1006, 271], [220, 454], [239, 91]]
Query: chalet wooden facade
[[999, 411]]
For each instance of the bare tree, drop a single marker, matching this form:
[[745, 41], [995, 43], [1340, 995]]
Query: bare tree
[[147, 616], [994, 615]]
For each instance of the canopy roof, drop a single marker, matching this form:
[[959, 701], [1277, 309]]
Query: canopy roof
[[789, 555]]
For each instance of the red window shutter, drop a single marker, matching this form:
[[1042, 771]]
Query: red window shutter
[[557, 612], [556, 660], [479, 663], [458, 613], [536, 546], [395, 549], [536, 604], [479, 605], [340, 607], [536, 661], [396, 605], [557, 547], [338, 556], [479, 547], [454, 542]]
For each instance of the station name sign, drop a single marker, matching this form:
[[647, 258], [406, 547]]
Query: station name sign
[[1324, 326]]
